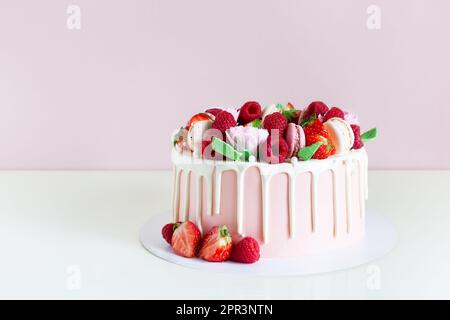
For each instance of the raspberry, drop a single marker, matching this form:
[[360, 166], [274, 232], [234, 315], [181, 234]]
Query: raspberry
[[316, 107], [207, 152], [224, 121], [358, 144], [277, 150], [213, 111], [249, 111], [246, 251], [333, 113], [275, 121]]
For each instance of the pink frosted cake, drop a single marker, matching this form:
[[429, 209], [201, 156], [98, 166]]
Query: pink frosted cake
[[293, 180]]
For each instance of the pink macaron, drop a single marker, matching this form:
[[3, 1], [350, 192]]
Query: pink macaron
[[295, 138]]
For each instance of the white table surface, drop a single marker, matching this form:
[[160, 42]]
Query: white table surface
[[74, 235]]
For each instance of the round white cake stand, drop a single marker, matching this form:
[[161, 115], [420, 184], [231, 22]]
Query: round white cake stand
[[380, 238]]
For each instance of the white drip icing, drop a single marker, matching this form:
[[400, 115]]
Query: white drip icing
[[291, 205], [217, 189], [207, 168], [240, 202], [265, 206], [314, 196], [198, 204], [176, 195], [348, 193], [187, 198], [335, 204]]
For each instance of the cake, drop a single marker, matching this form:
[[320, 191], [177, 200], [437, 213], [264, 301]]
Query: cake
[[293, 181]]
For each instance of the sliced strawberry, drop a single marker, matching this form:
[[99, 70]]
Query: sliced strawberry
[[216, 245], [167, 231], [185, 239], [315, 132], [196, 118]]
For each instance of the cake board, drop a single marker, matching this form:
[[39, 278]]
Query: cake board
[[379, 240]]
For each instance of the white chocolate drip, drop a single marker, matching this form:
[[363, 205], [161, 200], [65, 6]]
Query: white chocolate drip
[[208, 175]]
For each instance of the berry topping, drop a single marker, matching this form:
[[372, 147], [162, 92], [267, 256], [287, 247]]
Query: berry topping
[[315, 132], [316, 107], [358, 144], [185, 239], [216, 245], [249, 111], [333, 113], [196, 118], [167, 231], [277, 150], [213, 111], [224, 121], [275, 121], [246, 251]]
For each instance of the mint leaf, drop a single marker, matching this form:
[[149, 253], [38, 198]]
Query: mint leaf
[[369, 135], [309, 121], [307, 152], [290, 114], [225, 149], [256, 123], [280, 106], [246, 155], [228, 151]]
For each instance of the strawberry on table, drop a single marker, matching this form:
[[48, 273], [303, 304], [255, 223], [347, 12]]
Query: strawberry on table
[[185, 239], [167, 231], [216, 245]]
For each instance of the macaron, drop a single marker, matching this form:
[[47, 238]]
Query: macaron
[[341, 134], [295, 138]]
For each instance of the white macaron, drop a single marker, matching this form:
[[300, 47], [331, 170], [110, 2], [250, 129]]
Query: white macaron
[[341, 134]]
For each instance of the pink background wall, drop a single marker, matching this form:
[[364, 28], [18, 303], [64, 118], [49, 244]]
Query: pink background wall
[[108, 96]]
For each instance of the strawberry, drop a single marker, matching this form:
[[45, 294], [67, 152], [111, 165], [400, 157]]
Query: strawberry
[[246, 251], [185, 239], [196, 118], [167, 231], [315, 132], [216, 245]]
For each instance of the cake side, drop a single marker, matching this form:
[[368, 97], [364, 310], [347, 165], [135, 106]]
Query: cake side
[[291, 209]]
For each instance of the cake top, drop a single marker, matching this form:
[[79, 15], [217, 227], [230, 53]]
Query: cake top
[[274, 134]]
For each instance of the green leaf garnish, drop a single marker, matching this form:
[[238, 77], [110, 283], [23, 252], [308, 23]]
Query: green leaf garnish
[[256, 123], [280, 106], [290, 114], [307, 152], [369, 135], [228, 151], [246, 155], [309, 121]]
